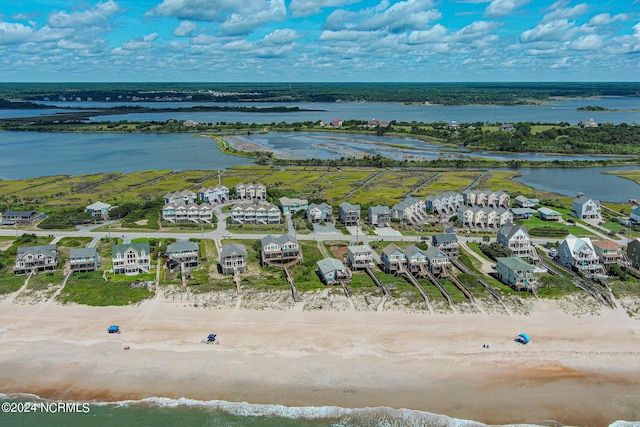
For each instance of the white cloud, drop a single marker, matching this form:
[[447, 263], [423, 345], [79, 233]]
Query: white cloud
[[144, 42], [433, 35], [14, 33], [310, 7], [184, 29], [502, 8], [279, 37], [474, 30], [587, 42], [410, 14], [566, 13], [245, 23], [606, 19], [100, 13], [548, 31]]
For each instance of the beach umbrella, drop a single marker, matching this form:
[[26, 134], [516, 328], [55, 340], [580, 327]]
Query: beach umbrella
[[524, 338]]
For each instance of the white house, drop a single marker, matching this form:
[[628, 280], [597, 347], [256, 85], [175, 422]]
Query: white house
[[516, 239], [359, 257], [36, 258], [586, 208], [98, 209], [131, 259], [579, 254]]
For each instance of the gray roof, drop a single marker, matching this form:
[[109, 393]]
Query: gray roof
[[98, 206], [279, 240], [49, 250], [328, 265], [83, 253], [232, 249], [584, 199], [178, 247], [434, 252], [412, 250], [379, 209], [514, 263], [522, 211], [547, 211], [322, 206], [509, 229], [140, 246], [20, 213], [346, 206], [391, 249], [359, 249], [444, 238]]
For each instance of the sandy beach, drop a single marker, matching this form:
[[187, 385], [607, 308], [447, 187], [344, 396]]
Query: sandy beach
[[575, 371]]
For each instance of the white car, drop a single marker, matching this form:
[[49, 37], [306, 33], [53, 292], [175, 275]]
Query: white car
[[226, 234]]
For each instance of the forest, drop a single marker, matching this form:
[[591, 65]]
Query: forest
[[434, 93]]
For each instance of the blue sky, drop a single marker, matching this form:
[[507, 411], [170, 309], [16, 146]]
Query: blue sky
[[319, 40]]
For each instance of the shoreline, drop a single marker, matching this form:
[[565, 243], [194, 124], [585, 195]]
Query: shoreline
[[433, 363]]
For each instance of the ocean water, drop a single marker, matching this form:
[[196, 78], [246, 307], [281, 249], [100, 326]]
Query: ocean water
[[186, 412], [163, 412]]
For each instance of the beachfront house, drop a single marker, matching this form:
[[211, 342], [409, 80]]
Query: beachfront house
[[20, 217], [526, 202], [447, 243], [35, 259], [253, 213], [131, 258], [233, 257], [183, 255], [98, 209], [439, 263], [333, 272], [291, 206], [359, 257], [393, 259], [319, 212], [416, 259], [446, 203], [83, 260], [633, 253], [579, 254], [547, 214], [608, 251], [517, 240], [181, 213], [349, 214], [184, 197], [214, 194], [252, 192], [516, 273], [585, 208], [282, 250], [379, 216]]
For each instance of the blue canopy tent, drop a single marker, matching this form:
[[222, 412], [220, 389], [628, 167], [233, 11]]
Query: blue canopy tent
[[523, 339], [211, 337], [114, 329]]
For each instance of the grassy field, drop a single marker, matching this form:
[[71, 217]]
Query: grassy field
[[91, 289], [9, 283]]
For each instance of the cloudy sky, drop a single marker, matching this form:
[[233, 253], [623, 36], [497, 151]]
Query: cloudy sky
[[319, 40]]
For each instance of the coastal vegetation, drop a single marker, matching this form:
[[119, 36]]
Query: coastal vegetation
[[434, 93]]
